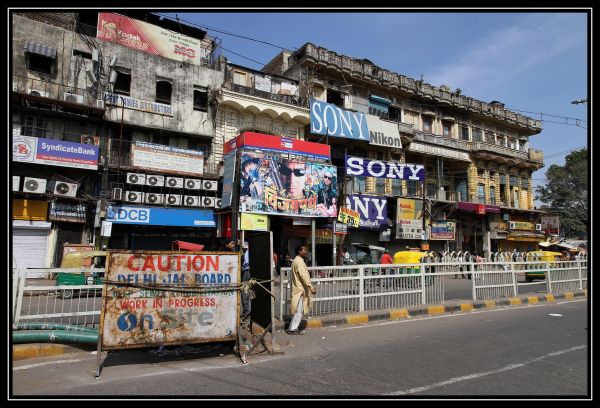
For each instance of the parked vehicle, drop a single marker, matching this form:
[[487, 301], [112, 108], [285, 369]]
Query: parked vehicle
[[81, 260], [543, 256], [409, 257]]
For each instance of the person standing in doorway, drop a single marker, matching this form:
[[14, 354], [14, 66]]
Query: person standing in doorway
[[302, 289]]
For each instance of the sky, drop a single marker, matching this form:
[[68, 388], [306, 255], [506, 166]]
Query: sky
[[534, 62]]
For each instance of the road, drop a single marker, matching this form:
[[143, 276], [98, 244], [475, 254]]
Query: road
[[532, 350]]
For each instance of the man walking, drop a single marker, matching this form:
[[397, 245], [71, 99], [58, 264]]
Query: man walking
[[302, 289]]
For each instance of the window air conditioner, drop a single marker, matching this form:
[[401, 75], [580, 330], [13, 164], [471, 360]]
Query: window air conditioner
[[191, 201], [37, 92], [193, 184], [135, 178], [209, 185], [152, 198], [16, 181], [173, 199], [538, 227], [117, 194], [208, 202], [65, 189], [134, 196], [155, 180], [73, 98], [34, 185], [174, 182]]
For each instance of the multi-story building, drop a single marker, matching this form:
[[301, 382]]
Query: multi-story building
[[110, 128]]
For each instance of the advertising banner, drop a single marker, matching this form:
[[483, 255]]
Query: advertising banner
[[152, 39], [443, 230], [159, 216], [274, 185], [550, 224], [277, 144], [372, 210], [383, 133], [357, 166], [349, 217], [138, 104], [24, 209], [328, 119], [166, 298], [521, 225], [254, 222], [167, 159], [228, 179], [67, 212], [409, 219], [55, 152]]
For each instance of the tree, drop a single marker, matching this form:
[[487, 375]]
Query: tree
[[566, 193]]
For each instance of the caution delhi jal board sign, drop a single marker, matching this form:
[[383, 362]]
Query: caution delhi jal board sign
[[197, 306]]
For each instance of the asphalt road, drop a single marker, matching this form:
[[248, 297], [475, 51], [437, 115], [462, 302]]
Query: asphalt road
[[539, 351]]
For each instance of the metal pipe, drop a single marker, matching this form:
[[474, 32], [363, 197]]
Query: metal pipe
[[53, 326], [53, 336]]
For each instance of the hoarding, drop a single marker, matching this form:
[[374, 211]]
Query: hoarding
[[277, 144], [329, 119], [120, 214], [54, 152], [357, 166], [443, 230], [159, 298], [372, 210], [272, 184], [384, 133], [67, 212], [409, 219], [167, 159]]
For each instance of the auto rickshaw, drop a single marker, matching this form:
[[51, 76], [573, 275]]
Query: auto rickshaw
[[543, 256], [81, 260], [409, 257]]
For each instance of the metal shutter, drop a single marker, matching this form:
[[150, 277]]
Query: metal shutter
[[30, 247]]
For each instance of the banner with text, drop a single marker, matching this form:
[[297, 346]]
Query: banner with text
[[409, 219], [167, 159], [328, 119], [372, 210], [54, 152], [443, 230], [357, 166]]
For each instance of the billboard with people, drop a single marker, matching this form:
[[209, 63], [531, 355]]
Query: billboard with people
[[271, 184]]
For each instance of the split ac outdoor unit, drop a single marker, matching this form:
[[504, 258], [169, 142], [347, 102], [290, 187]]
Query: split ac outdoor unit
[[538, 227], [511, 225], [193, 184], [152, 198], [209, 185], [117, 194], [65, 189], [174, 182], [37, 92], [155, 180], [173, 199], [208, 202], [135, 178], [191, 201], [134, 196], [34, 185], [16, 180], [99, 104], [218, 203], [73, 98]]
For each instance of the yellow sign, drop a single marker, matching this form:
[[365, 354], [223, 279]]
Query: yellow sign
[[521, 225], [348, 216], [30, 209], [528, 239], [255, 222]]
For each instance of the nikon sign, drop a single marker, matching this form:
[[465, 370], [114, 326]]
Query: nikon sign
[[383, 133]]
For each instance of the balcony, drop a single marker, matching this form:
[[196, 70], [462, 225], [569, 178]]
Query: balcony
[[505, 151], [288, 99], [441, 141]]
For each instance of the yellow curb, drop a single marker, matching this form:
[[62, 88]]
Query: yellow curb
[[569, 295], [313, 323], [532, 299], [435, 310], [550, 298], [357, 318], [490, 304], [466, 307], [515, 301], [398, 314], [23, 351]]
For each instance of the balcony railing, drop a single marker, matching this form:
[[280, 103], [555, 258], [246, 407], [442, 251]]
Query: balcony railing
[[441, 140], [288, 99], [55, 91]]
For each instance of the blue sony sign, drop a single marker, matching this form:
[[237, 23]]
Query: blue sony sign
[[328, 119], [160, 216]]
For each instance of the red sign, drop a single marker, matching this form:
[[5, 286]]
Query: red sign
[[278, 144], [481, 209]]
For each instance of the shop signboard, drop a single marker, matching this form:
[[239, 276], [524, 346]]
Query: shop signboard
[[329, 119], [357, 166], [160, 298], [167, 159], [349, 217], [134, 215], [521, 225], [272, 184], [550, 224], [372, 210], [127, 102], [67, 212], [443, 230], [254, 222], [409, 219], [384, 133], [54, 152], [32, 210]]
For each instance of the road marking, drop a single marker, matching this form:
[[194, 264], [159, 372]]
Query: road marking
[[571, 301], [28, 366], [483, 374]]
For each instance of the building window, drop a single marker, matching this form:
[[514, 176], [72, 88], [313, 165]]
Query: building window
[[33, 126], [464, 132], [431, 193], [480, 173], [481, 193], [500, 140], [359, 184], [164, 90], [524, 183], [489, 137], [200, 98], [476, 135], [427, 124], [395, 114], [40, 63], [380, 186], [447, 128], [396, 187], [413, 188], [335, 97], [123, 82], [492, 195], [239, 78]]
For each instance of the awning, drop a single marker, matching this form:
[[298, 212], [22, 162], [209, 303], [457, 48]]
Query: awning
[[35, 48]]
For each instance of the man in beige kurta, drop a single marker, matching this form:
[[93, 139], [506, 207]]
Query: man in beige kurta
[[302, 288]]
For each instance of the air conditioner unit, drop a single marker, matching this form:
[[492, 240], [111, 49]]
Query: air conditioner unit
[[135, 178], [191, 201], [99, 104], [153, 198], [134, 196], [72, 98], [173, 199], [209, 185], [90, 140], [208, 202], [218, 202], [511, 225], [34, 185], [538, 227], [16, 180], [65, 189], [37, 92], [117, 194], [155, 180], [174, 182], [193, 184]]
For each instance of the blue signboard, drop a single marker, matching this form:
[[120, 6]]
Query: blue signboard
[[372, 210], [55, 152], [120, 214], [328, 119], [357, 166]]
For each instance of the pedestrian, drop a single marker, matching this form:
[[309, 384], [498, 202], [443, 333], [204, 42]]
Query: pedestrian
[[246, 305], [346, 260], [302, 290]]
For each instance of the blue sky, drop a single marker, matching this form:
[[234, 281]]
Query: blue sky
[[531, 61]]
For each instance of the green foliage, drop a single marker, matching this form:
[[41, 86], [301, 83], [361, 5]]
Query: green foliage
[[566, 193]]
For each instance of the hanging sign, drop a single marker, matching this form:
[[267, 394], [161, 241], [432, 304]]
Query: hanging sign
[[348, 216], [357, 166]]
